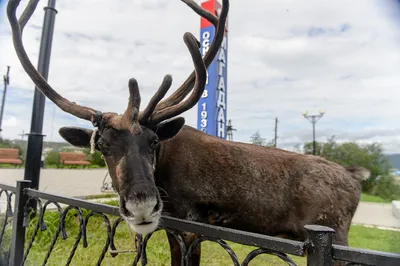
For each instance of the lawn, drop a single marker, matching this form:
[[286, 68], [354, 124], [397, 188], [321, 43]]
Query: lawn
[[158, 249], [372, 198]]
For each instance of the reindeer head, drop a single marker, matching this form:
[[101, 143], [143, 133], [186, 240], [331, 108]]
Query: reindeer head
[[129, 142]]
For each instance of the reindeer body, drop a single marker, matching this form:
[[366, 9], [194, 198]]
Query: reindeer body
[[255, 188]]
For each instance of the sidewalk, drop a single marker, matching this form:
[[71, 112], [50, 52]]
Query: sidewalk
[[73, 183], [376, 214], [64, 182]]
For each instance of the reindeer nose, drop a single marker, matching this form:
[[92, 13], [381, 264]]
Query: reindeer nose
[[142, 192]]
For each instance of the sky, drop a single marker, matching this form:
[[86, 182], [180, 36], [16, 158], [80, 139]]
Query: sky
[[284, 57]]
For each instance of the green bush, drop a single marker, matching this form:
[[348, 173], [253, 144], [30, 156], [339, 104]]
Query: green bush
[[95, 159], [52, 158], [370, 156], [386, 188]]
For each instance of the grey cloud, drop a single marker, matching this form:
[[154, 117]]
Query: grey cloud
[[349, 68]]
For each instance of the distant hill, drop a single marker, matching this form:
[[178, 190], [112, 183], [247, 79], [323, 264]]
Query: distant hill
[[394, 160], [46, 144]]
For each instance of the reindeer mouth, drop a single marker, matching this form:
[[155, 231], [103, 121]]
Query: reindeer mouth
[[144, 227], [143, 216], [145, 223]]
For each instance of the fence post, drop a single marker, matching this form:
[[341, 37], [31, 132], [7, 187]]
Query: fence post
[[319, 245], [18, 230]]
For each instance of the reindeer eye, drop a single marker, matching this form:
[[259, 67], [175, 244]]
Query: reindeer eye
[[155, 142], [103, 148]]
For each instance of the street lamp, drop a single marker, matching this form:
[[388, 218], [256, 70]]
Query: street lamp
[[229, 130], [6, 79], [313, 119]]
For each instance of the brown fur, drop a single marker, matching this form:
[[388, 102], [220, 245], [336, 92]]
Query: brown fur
[[254, 188], [232, 184]]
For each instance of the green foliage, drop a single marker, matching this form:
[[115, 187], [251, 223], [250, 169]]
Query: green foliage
[[52, 158], [95, 158], [370, 156], [258, 140], [387, 188], [371, 198]]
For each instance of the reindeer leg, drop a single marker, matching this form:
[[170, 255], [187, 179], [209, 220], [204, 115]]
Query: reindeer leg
[[176, 254]]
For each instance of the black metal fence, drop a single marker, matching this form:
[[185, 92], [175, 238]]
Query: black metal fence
[[15, 246]]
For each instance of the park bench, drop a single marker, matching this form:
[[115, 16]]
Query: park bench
[[10, 156], [71, 158]]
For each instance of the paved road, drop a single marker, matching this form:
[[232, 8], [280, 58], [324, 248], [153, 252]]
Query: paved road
[[376, 214], [66, 182], [72, 183]]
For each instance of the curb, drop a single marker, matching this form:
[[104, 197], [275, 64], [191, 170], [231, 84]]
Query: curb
[[396, 209], [378, 227]]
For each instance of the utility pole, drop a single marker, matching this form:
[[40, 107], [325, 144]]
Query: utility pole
[[314, 119], [6, 79], [229, 130], [22, 135], [276, 132], [35, 137]]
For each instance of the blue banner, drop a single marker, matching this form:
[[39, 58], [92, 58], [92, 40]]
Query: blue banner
[[212, 107], [206, 105]]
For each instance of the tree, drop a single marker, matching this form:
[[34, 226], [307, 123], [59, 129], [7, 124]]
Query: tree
[[258, 140], [370, 156]]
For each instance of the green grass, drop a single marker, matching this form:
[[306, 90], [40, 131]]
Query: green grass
[[99, 196], [371, 198], [6, 165], [158, 248]]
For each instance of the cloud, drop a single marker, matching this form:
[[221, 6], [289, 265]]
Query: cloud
[[284, 57]]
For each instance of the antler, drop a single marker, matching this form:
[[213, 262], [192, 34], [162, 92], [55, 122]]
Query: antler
[[157, 111], [17, 27]]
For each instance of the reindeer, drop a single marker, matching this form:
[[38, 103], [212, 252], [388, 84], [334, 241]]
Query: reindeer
[[205, 178]]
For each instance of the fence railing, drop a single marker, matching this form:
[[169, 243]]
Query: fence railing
[[318, 248]]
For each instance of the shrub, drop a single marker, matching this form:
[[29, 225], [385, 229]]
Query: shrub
[[386, 187], [95, 159], [52, 158]]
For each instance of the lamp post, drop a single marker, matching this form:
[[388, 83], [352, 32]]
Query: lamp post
[[230, 129], [35, 137], [313, 119], [276, 132], [6, 79]]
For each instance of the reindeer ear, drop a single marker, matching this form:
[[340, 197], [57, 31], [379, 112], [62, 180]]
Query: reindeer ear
[[168, 129], [76, 136]]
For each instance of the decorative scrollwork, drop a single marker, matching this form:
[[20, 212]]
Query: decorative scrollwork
[[221, 242], [113, 229], [8, 215], [39, 224], [81, 234], [109, 236], [260, 251], [176, 228]]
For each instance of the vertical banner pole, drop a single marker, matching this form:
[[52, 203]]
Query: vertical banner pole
[[212, 107]]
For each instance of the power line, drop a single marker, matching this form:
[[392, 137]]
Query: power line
[[314, 119], [276, 132]]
